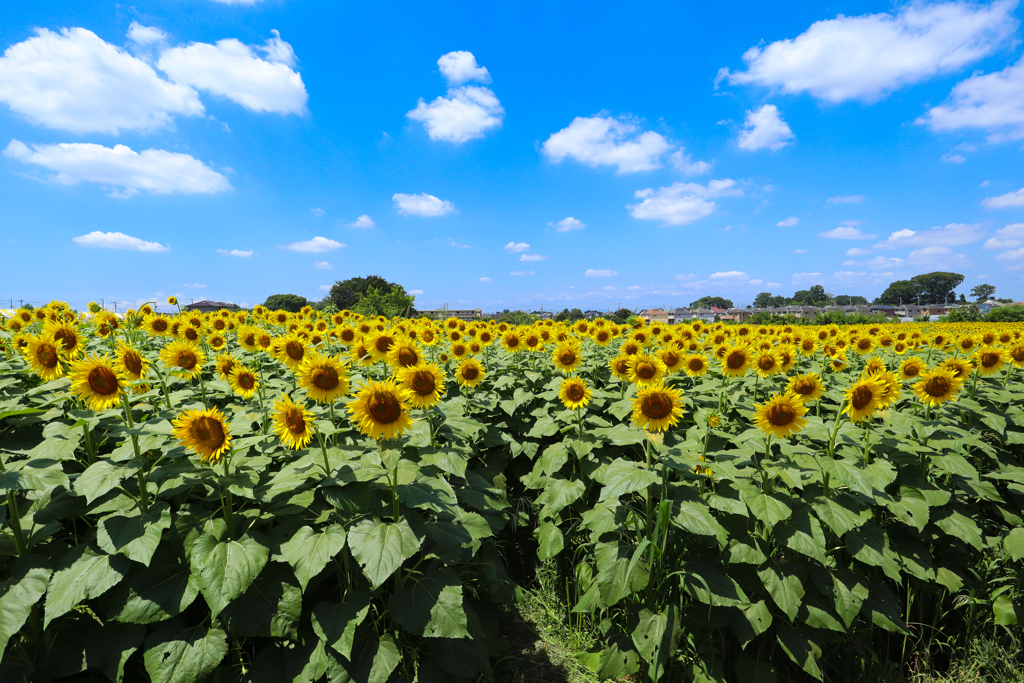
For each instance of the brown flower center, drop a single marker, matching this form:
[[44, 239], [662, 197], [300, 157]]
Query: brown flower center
[[187, 360], [780, 415], [133, 362], [294, 421], [325, 378], [989, 360], [103, 381], [862, 396], [575, 392], [656, 406], [245, 380], [208, 433], [735, 360], [423, 383], [407, 357], [803, 387], [46, 355], [937, 386], [645, 370], [384, 407], [670, 358], [567, 357], [470, 373], [294, 350], [383, 344]]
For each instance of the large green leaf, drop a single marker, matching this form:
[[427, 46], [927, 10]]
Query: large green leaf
[[802, 647], [784, 586], [134, 535], [617, 575], [155, 593], [381, 547], [625, 476], [710, 584], [550, 540], [27, 583], [959, 526], [840, 512], [308, 552], [271, 606], [697, 519], [336, 622], [655, 638], [766, 507], [99, 478], [175, 654], [1013, 543], [802, 533], [86, 574], [883, 608], [431, 605], [558, 494], [225, 568], [869, 544]]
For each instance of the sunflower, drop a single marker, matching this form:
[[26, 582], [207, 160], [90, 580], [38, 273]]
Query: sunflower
[[67, 335], [657, 407], [937, 386], [900, 348], [172, 300], [574, 393], [459, 350], [864, 397], [96, 382], [695, 364], [183, 357], [990, 360], [512, 342], [967, 343], [205, 432], [567, 356], [1017, 355], [807, 346], [735, 361], [787, 357], [781, 415], [619, 365], [874, 366], [602, 336], [645, 369], [292, 423], [224, 363], [44, 356], [767, 364], [960, 367], [404, 354], [130, 362], [672, 357], [807, 387], [837, 360], [216, 341], [379, 343], [325, 378], [291, 350], [912, 368], [863, 345], [243, 381], [380, 409], [424, 384], [891, 388], [470, 372]]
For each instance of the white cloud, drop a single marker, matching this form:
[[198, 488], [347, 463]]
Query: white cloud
[[846, 199], [195, 286], [992, 101], [799, 251], [788, 222], [934, 256], [517, 248], [317, 245], [729, 275], [145, 35], [1011, 255], [152, 170], [317, 212], [634, 288], [846, 234], [75, 81], [985, 183], [764, 129], [567, 224], [1010, 237], [951, 235], [241, 2], [805, 277], [607, 141], [954, 158], [322, 265], [877, 263], [416, 291], [232, 69], [466, 113], [688, 276], [421, 205], [118, 240], [532, 257], [851, 223], [363, 222], [457, 244], [685, 164], [756, 282], [485, 279], [774, 284], [519, 273], [600, 273], [1004, 201], [868, 56], [240, 253], [609, 288], [857, 251], [682, 203], [322, 288], [460, 67]]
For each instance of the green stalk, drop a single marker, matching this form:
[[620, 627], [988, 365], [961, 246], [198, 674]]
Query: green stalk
[[867, 442], [202, 388], [835, 430], [15, 515], [227, 506], [323, 447], [141, 474], [90, 447], [1009, 370], [163, 383]]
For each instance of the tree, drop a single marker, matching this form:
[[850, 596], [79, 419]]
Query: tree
[[900, 291], [576, 314], [983, 292], [709, 301], [1005, 314], [562, 316], [938, 287], [516, 317], [346, 293], [763, 300], [388, 304], [285, 302], [847, 300], [815, 296]]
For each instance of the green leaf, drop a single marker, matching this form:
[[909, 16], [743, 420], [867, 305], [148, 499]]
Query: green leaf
[[309, 552], [271, 606], [884, 609], [110, 647], [695, 518], [752, 622], [802, 533], [226, 568], [711, 585], [1013, 543], [617, 576], [624, 476], [175, 654], [622, 435], [135, 535], [553, 458], [155, 593], [655, 638], [558, 494], [766, 507], [841, 512], [86, 575], [431, 605], [911, 508], [545, 426], [99, 478], [801, 648], [381, 547], [27, 583], [785, 588], [846, 589], [850, 474], [816, 612], [336, 622], [869, 545], [549, 540], [1004, 611], [959, 526]]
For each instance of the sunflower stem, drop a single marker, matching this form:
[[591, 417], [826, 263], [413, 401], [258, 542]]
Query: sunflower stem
[[1006, 378], [163, 383], [974, 383], [15, 520], [835, 430], [323, 447], [202, 388], [141, 473], [867, 442], [90, 448]]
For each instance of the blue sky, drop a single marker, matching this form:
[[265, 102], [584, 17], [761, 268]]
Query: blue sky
[[498, 157]]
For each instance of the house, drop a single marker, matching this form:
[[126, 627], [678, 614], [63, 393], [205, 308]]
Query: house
[[461, 314], [887, 311], [592, 314], [207, 306], [986, 306], [738, 314], [704, 315], [910, 311], [655, 315], [679, 315]]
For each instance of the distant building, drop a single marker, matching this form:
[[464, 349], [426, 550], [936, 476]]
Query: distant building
[[207, 306], [461, 314], [655, 315]]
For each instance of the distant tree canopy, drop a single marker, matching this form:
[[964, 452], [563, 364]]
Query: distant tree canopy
[[847, 300], [766, 300], [814, 296], [371, 295], [286, 302], [709, 301], [515, 317], [1005, 314], [983, 292], [929, 288]]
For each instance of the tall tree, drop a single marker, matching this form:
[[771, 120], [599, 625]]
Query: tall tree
[[848, 300], [346, 293], [938, 287], [763, 300], [285, 302], [983, 292], [709, 301]]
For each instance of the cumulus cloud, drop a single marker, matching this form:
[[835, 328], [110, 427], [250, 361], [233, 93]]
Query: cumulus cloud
[[363, 222], [467, 111], [234, 70], [416, 291], [145, 35], [322, 265], [868, 56], [1010, 237], [607, 141], [421, 205], [1011, 255], [954, 158], [239, 253], [318, 212], [682, 203], [993, 102], [788, 222], [317, 245], [195, 285], [846, 199], [877, 263], [1005, 201], [519, 273], [485, 279], [857, 251], [532, 257], [729, 275], [951, 235], [685, 164], [118, 240], [567, 224], [600, 273], [76, 81], [517, 247], [764, 129], [934, 256], [846, 233], [121, 168]]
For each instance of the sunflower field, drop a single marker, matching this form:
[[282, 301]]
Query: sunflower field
[[271, 496]]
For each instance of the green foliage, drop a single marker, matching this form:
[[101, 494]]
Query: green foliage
[[983, 292], [345, 294], [516, 317], [929, 288], [709, 301], [847, 300], [1005, 314], [285, 302], [389, 304], [966, 314], [815, 296]]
